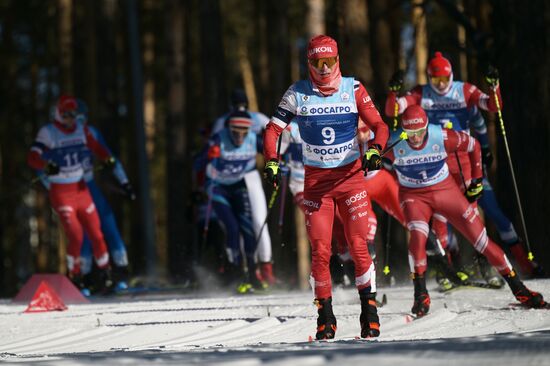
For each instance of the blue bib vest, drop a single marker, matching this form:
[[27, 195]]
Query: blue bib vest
[[68, 151], [424, 167], [328, 125], [234, 161], [450, 107]]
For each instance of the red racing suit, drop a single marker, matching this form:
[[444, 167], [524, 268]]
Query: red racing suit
[[333, 175], [69, 194], [426, 188]]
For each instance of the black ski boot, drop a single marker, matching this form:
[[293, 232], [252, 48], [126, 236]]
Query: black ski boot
[[370, 323], [525, 296], [105, 281], [421, 304], [488, 272], [326, 321], [120, 278]]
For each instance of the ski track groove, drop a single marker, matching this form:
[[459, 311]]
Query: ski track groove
[[275, 322]]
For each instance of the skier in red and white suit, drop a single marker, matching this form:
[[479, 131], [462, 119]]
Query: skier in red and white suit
[[58, 152], [448, 103], [426, 188], [326, 108]]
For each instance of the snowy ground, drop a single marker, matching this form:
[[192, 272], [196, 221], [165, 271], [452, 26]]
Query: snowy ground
[[464, 327]]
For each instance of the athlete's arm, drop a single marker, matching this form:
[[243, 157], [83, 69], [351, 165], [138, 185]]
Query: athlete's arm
[[370, 116], [460, 141], [411, 98], [97, 148], [282, 117], [475, 97], [41, 144]]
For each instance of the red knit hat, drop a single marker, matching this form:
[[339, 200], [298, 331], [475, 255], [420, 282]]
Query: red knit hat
[[414, 118], [66, 103], [322, 46], [439, 66]]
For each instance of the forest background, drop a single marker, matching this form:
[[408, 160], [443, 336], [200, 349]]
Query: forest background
[[155, 74]]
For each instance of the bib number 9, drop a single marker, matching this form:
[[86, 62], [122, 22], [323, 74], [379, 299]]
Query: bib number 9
[[329, 135]]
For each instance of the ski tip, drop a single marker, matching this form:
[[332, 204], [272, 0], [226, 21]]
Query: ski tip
[[310, 339], [408, 318]]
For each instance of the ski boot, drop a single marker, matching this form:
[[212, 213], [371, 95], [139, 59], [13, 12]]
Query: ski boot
[[80, 282], [266, 273], [421, 304], [370, 323], [120, 278], [489, 274], [326, 321], [525, 296], [105, 282], [528, 268]]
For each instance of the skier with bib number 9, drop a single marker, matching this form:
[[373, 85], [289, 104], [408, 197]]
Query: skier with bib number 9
[[326, 108]]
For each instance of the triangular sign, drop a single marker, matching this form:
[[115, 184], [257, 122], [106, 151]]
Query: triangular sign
[[45, 299]]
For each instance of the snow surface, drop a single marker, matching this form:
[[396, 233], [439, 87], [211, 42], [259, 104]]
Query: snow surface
[[464, 327]]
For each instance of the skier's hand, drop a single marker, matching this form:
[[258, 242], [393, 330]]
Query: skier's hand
[[214, 152], [372, 160], [492, 77], [51, 168], [487, 157], [272, 172], [129, 191], [109, 163], [475, 190], [396, 81]]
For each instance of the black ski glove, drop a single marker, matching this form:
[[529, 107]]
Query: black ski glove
[[371, 159], [396, 81], [51, 168], [492, 76], [475, 190], [272, 172]]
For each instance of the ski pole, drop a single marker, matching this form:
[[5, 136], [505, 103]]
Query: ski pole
[[402, 137], [449, 125], [395, 114], [510, 165], [273, 193], [388, 245], [209, 203], [282, 204]]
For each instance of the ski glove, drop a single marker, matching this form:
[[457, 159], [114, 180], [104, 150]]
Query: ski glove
[[51, 168], [129, 191], [492, 76], [372, 159], [272, 172], [487, 157], [475, 190], [214, 152], [109, 163], [396, 81]]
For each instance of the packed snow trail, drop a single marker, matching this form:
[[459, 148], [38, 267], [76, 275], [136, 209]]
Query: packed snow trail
[[469, 326]]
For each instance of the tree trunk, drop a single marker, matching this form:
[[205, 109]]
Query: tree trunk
[[521, 50], [421, 40], [180, 250]]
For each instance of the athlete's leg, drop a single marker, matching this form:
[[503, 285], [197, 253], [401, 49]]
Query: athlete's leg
[[63, 203], [88, 217], [109, 227], [319, 215]]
